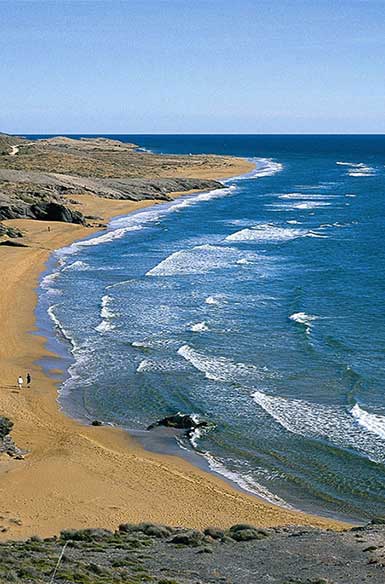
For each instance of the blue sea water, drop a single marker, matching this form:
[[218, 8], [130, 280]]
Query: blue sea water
[[259, 307]]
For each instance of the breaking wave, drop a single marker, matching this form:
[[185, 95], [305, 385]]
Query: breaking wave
[[222, 368], [303, 319], [374, 423], [266, 232], [306, 197], [213, 300], [166, 365], [358, 168], [78, 265], [263, 167], [199, 327], [106, 314], [197, 260]]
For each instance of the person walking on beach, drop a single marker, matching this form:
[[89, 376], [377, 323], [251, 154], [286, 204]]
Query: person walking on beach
[[20, 382], [29, 379]]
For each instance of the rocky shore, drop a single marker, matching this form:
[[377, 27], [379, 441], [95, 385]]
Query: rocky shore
[[34, 186], [7, 445], [242, 554]]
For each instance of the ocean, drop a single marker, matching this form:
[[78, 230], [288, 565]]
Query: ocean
[[258, 307]]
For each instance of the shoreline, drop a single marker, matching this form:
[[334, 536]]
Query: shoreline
[[82, 476]]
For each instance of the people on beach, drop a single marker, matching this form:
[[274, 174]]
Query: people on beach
[[29, 379], [20, 382]]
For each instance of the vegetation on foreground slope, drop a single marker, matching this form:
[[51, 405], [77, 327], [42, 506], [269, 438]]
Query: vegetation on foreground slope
[[163, 555]]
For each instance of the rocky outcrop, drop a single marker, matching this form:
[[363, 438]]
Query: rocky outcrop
[[52, 211], [10, 231], [134, 189], [7, 445]]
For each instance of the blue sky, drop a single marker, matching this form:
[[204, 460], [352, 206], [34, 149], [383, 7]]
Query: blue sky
[[192, 66]]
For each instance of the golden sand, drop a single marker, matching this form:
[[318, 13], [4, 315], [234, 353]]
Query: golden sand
[[78, 476]]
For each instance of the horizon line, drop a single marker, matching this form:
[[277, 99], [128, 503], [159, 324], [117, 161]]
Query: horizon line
[[194, 133]]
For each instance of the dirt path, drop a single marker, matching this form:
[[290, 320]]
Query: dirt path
[[14, 150]]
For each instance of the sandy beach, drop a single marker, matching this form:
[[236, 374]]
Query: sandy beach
[[77, 476]]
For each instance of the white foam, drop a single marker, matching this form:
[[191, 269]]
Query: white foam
[[77, 266], [266, 232], [221, 368], [107, 237], [199, 327], [374, 423], [300, 205], [144, 365], [245, 481], [197, 260], [358, 168], [213, 300], [304, 319], [166, 365], [184, 202], [48, 280], [140, 344], [106, 314], [105, 311], [305, 197], [58, 325], [317, 235], [105, 326], [318, 421], [263, 167]]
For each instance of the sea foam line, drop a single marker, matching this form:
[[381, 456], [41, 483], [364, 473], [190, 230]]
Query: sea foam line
[[245, 481]]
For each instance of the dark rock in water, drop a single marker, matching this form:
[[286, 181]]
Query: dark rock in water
[[96, 423], [180, 421], [7, 445]]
